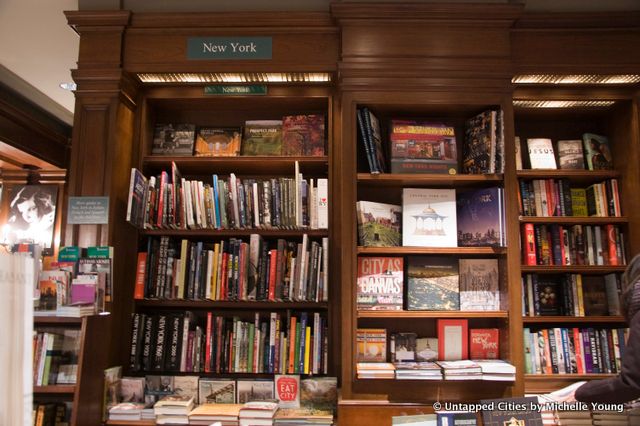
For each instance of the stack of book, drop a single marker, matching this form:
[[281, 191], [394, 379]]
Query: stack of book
[[173, 409], [126, 411], [258, 413], [408, 370], [302, 416], [416, 420], [572, 418], [497, 370], [206, 414], [375, 370], [461, 370], [610, 418]]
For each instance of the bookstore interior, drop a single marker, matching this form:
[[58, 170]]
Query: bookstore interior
[[379, 214]]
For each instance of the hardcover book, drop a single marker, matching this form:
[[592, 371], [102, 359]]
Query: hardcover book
[[319, 392], [516, 412], [186, 386], [173, 139], [218, 142], [303, 135], [480, 218], [422, 147], [403, 347], [579, 202], [426, 349], [380, 283], [597, 152], [432, 284], [547, 295], [570, 154], [374, 135], [594, 295], [479, 152], [541, 155], [216, 391], [484, 343], [479, 290], [453, 339], [254, 390], [136, 203], [378, 224], [371, 344], [287, 388], [262, 137], [429, 217]]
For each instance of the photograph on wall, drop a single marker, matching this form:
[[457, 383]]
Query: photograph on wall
[[32, 214]]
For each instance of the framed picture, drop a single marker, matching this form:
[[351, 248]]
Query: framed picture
[[32, 214]]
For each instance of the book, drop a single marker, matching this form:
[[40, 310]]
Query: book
[[186, 386], [403, 347], [136, 202], [480, 217], [207, 414], [541, 155], [371, 344], [415, 420], [178, 405], [374, 136], [173, 139], [287, 390], [570, 154], [597, 152], [303, 135], [258, 409], [422, 147], [479, 149], [453, 339], [432, 283], [378, 224], [218, 142], [216, 391], [426, 349], [254, 390], [479, 285], [594, 295], [319, 392], [262, 137], [132, 389], [484, 343], [380, 283], [579, 201], [511, 411], [429, 217]]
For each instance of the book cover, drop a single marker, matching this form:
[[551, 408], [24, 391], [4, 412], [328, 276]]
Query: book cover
[[287, 388], [380, 283], [579, 201], [422, 147], [479, 285], [262, 137], [541, 155], [403, 347], [254, 390], [484, 343], [433, 283], [426, 349], [479, 151], [453, 339], [216, 391], [136, 202], [594, 295], [319, 392], [218, 142], [371, 344], [570, 154], [173, 139], [511, 411], [186, 386], [132, 389], [303, 135], [547, 295], [429, 217], [597, 152], [374, 134], [378, 224], [480, 217]]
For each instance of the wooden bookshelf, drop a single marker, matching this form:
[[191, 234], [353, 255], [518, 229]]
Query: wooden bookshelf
[[433, 314], [544, 383], [571, 269], [576, 176], [391, 251], [243, 165], [574, 220], [226, 233], [54, 389], [574, 320], [236, 305], [44, 320], [408, 180]]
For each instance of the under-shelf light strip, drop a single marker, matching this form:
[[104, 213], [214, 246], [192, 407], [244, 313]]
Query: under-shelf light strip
[[271, 77], [561, 104], [576, 79]]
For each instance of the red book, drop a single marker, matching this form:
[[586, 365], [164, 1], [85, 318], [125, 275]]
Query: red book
[[611, 239], [273, 260], [453, 339], [529, 244], [292, 344], [484, 343], [547, 367], [141, 271], [578, 348]]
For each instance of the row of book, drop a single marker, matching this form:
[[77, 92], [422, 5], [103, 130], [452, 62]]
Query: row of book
[[51, 413], [492, 370], [571, 153], [574, 350], [571, 295], [234, 269], [477, 343], [435, 218], [549, 197], [417, 146], [434, 283], [169, 201], [573, 245], [55, 356], [275, 343], [293, 135]]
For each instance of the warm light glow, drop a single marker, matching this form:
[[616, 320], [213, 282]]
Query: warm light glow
[[576, 79], [561, 104], [263, 77]]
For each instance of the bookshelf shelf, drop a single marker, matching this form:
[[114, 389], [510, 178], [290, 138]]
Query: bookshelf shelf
[[568, 269], [54, 389], [574, 220], [131, 422], [592, 376], [433, 314], [51, 320], [543, 383], [568, 319], [224, 233], [430, 250], [238, 305], [577, 176], [403, 180], [252, 166]]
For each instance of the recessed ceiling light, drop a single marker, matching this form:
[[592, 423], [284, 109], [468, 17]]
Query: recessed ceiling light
[[576, 79], [69, 86], [561, 104], [225, 77]]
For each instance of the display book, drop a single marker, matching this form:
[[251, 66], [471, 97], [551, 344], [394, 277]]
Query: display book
[[592, 151], [421, 146]]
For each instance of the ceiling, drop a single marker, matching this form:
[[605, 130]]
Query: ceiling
[[38, 49]]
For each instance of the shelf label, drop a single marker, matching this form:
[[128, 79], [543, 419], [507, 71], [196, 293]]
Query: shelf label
[[229, 48], [88, 210], [253, 89]]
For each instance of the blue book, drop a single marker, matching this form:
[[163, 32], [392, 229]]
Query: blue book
[[480, 218], [216, 202], [303, 328]]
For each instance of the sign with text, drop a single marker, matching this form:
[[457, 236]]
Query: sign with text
[[253, 89], [88, 210], [229, 48]]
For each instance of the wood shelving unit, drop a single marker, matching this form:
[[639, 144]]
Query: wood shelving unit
[[225, 233], [390, 251], [571, 269], [433, 314], [574, 220], [54, 389], [575, 176], [248, 166], [236, 305], [573, 320], [408, 180]]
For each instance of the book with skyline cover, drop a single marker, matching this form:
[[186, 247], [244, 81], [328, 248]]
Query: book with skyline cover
[[378, 224], [480, 217], [380, 283], [479, 285], [262, 137], [432, 283]]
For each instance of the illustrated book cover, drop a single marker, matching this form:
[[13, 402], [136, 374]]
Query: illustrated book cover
[[597, 152], [254, 390], [422, 147], [287, 388], [380, 283], [303, 135], [173, 139], [378, 224], [262, 137], [479, 150], [479, 285], [480, 218], [218, 142], [429, 217], [484, 343], [371, 344], [216, 391], [432, 283]]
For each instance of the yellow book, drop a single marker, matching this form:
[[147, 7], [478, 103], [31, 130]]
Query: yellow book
[[183, 268], [214, 272], [307, 343], [580, 297]]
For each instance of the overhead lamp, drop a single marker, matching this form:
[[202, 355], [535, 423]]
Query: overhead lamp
[[576, 79], [561, 104], [69, 86], [254, 77]]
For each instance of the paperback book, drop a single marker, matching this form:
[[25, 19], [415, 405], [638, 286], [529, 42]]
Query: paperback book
[[433, 284], [371, 345], [541, 155], [429, 217], [380, 283]]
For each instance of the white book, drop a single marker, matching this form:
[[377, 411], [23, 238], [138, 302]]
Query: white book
[[298, 196], [313, 205], [322, 197], [588, 231], [201, 205], [233, 191], [186, 188], [429, 217], [541, 155], [518, 150], [302, 285], [598, 238], [256, 206], [185, 340]]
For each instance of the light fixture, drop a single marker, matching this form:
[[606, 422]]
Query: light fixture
[[69, 86], [224, 77], [561, 104], [576, 79]]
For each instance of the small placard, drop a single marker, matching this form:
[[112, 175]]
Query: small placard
[[88, 210], [252, 89], [229, 48]]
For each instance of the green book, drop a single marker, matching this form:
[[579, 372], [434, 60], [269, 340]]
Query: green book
[[69, 254], [296, 357], [100, 252], [262, 137], [252, 333]]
